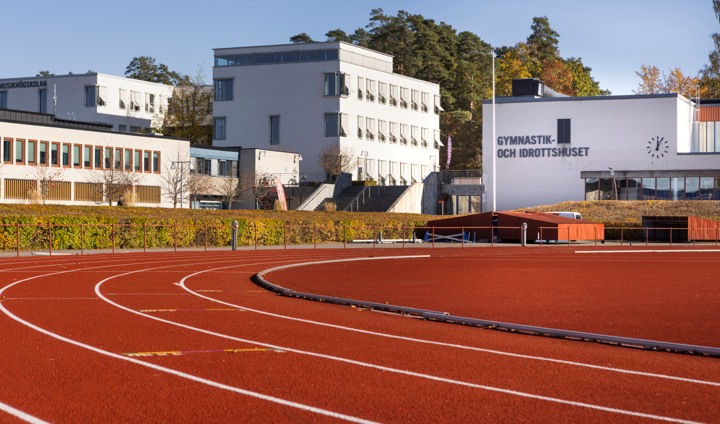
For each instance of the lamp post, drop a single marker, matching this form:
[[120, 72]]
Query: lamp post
[[182, 164]]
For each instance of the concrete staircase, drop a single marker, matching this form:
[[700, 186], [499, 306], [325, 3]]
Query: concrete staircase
[[367, 198]]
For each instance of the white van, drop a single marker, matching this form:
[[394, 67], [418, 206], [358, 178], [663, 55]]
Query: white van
[[566, 214]]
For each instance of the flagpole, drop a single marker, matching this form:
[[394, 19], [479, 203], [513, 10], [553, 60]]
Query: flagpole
[[494, 146]]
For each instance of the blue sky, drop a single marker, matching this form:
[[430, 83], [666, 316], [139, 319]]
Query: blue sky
[[613, 37]]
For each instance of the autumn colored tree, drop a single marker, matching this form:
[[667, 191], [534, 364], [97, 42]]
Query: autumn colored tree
[[650, 80], [710, 75]]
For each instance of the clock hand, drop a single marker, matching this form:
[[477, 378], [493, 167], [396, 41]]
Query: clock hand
[[658, 145]]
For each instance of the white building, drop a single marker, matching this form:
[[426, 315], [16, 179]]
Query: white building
[[75, 162], [305, 98], [547, 150], [125, 103]]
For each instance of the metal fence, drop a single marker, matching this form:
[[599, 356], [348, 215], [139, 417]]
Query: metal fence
[[80, 238]]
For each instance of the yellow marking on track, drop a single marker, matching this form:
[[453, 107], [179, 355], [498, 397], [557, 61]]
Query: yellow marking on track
[[158, 310], [187, 352]]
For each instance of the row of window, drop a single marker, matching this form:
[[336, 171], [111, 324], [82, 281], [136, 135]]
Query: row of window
[[651, 188], [97, 96], [42, 100], [393, 132], [336, 125], [337, 84], [69, 155], [225, 168], [390, 172], [250, 59]]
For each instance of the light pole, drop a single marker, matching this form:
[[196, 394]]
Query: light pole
[[182, 164]]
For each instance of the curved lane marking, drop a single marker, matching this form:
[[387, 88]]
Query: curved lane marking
[[388, 369], [20, 414]]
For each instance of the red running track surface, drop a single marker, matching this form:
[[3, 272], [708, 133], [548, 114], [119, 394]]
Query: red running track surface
[[187, 337]]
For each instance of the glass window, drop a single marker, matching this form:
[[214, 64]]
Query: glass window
[[107, 158], [648, 189], [563, 131], [207, 167], [90, 95], [76, 155], [382, 92], [335, 84], [662, 191], [393, 95], [118, 158], [633, 189], [706, 188], [370, 128], [19, 151], [678, 188], [414, 100], [336, 125], [692, 188], [156, 162], [54, 154], [135, 101], [361, 88], [425, 101], [382, 130], [223, 90], [219, 129], [87, 155], [394, 132], [360, 126], [127, 165], [65, 155], [275, 129], [592, 189], [43, 153], [146, 161], [123, 99], [98, 157], [404, 97], [137, 161], [3, 99], [149, 103], [370, 90]]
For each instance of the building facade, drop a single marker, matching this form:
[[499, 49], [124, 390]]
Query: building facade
[[45, 160], [545, 150], [129, 105], [308, 98]]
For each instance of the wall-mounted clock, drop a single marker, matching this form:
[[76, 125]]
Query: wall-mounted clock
[[657, 147]]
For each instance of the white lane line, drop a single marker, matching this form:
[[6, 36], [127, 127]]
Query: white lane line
[[388, 369], [443, 344], [20, 414], [170, 371], [648, 251]]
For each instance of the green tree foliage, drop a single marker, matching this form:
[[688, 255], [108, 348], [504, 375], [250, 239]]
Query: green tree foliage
[[301, 38], [145, 68], [461, 63]]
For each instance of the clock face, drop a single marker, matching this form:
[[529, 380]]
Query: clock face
[[657, 147]]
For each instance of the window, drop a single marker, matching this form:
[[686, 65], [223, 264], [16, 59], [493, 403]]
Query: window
[[336, 125], [137, 161], [207, 166], [222, 168], [403, 133], [135, 101], [122, 128], [65, 154], [156, 162], [19, 151], [43, 153], [223, 90], [7, 150], [275, 129], [436, 139], [414, 100], [361, 126], [414, 135], [87, 156], [149, 103], [55, 154], [107, 158], [135, 129], [393, 95], [76, 155], [438, 108], [336, 84], [424, 102], [382, 92], [146, 161], [370, 128], [95, 95], [123, 99], [361, 88], [563, 131], [382, 130], [370, 90], [219, 129], [118, 158], [98, 157], [393, 132], [424, 137], [42, 100], [3, 99], [404, 92], [127, 165]]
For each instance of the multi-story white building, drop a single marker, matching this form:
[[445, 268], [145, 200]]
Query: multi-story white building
[[553, 149], [306, 98], [129, 105], [43, 159]]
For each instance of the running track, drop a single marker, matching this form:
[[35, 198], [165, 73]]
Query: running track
[[187, 337]]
